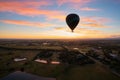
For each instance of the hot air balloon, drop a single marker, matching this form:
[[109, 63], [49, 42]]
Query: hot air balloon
[[72, 21]]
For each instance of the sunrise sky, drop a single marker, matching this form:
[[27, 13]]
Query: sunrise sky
[[45, 19]]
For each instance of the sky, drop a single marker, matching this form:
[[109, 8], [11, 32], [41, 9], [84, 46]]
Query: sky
[[45, 19]]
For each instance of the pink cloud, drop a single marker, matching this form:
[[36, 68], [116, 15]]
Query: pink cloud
[[77, 4], [95, 19], [74, 4], [30, 9], [27, 23], [98, 22], [88, 20], [80, 2], [89, 9], [18, 4]]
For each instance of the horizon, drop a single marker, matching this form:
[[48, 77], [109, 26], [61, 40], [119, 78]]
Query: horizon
[[44, 19], [60, 39]]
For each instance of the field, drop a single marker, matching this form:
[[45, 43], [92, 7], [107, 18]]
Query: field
[[60, 72]]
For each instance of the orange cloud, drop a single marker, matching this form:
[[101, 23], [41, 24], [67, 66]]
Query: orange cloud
[[27, 23], [89, 9], [88, 20], [87, 31], [59, 28], [87, 36], [48, 13], [78, 30], [31, 9], [94, 20], [80, 33], [91, 33], [18, 4], [115, 36], [98, 22], [96, 25]]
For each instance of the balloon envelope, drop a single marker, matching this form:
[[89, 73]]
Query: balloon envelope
[[72, 21]]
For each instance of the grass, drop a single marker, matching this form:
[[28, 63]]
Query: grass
[[33, 47], [46, 70], [61, 72], [87, 72], [7, 65]]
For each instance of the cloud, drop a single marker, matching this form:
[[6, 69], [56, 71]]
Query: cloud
[[83, 33], [89, 9], [27, 23], [92, 33], [79, 33], [73, 2], [69, 35], [59, 28], [22, 4], [31, 8], [115, 36], [77, 4], [34, 8], [62, 33], [87, 31], [96, 25], [94, 19], [97, 22], [78, 30]]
